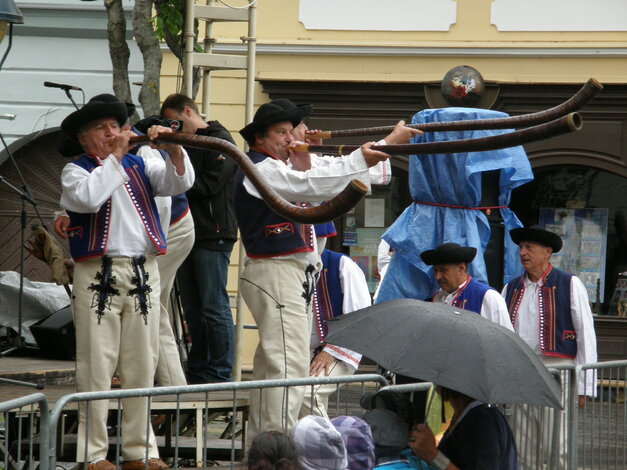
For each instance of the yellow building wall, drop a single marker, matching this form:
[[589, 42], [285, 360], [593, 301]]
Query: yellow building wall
[[402, 57]]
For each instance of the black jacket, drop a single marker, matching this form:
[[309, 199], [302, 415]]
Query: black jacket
[[211, 196]]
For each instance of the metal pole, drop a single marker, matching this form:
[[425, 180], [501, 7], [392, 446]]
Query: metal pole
[[188, 60], [250, 89], [206, 73], [573, 415]]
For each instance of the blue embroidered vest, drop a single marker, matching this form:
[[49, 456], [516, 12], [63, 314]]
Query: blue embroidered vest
[[88, 233], [471, 296], [180, 207], [264, 233], [328, 297], [557, 333], [325, 230]]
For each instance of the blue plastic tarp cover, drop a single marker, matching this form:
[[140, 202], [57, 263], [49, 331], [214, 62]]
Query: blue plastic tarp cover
[[451, 180]]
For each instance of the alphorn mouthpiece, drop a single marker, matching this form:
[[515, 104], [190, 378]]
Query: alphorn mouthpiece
[[320, 134], [302, 147]]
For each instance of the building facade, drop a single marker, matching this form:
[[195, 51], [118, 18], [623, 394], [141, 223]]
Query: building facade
[[368, 63]]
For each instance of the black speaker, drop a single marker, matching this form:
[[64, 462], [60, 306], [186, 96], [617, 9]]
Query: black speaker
[[55, 335]]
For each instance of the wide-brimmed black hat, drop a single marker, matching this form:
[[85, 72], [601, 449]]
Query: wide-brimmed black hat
[[449, 253], [100, 106], [305, 109], [537, 234], [268, 114]]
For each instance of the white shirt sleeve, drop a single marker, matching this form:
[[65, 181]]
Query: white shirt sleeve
[[320, 183], [380, 174], [494, 309], [583, 323], [356, 296], [383, 255], [162, 174], [354, 286]]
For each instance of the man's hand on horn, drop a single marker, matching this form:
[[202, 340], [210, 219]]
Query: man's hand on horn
[[401, 134]]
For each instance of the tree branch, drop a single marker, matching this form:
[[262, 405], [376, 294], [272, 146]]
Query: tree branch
[[149, 47], [118, 50]]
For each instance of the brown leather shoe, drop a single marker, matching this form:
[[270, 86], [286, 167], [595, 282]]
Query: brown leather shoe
[[153, 464], [101, 465]]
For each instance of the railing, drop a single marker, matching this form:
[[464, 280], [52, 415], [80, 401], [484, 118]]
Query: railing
[[177, 406], [600, 426], [17, 419], [591, 437]]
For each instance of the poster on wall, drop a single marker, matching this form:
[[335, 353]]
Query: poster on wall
[[364, 253], [584, 232]]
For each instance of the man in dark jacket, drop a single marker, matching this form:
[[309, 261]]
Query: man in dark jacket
[[203, 275]]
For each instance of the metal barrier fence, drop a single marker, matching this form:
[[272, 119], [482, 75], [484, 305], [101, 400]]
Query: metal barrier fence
[[591, 437], [598, 429], [204, 409], [15, 418]]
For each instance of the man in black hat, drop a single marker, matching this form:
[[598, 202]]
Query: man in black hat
[[178, 227], [380, 174], [115, 234], [458, 288], [550, 311], [278, 278], [203, 275]]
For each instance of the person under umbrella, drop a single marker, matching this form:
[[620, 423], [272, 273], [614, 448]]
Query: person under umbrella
[[478, 437]]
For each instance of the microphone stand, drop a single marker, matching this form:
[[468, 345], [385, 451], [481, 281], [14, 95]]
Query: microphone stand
[[17, 342], [69, 95]]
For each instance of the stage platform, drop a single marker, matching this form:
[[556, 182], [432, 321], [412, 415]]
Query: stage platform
[[203, 418]]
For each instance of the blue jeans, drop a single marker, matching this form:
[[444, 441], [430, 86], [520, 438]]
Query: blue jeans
[[202, 284]]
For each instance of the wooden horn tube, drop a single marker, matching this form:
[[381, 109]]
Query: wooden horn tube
[[569, 123], [332, 209], [575, 102]]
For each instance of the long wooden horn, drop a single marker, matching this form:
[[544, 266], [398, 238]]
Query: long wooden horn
[[332, 209], [575, 102], [571, 122]]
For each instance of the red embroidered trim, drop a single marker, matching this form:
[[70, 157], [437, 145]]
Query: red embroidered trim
[[460, 290], [459, 207]]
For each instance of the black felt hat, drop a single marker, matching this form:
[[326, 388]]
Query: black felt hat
[[100, 106], [268, 114], [305, 109], [537, 234], [449, 253]]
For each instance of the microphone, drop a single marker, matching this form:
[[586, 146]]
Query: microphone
[[62, 86], [8, 117]]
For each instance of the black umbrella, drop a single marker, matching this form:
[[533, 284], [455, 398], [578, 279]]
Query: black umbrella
[[450, 347]]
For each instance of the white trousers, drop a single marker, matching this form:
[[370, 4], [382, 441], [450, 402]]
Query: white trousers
[[316, 403], [123, 340], [180, 241], [273, 290]]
